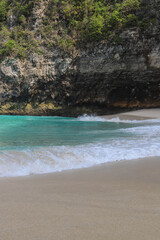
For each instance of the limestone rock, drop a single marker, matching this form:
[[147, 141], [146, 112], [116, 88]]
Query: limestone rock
[[105, 75]]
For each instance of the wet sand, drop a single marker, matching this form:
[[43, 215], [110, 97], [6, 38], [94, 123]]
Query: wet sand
[[137, 115], [113, 201]]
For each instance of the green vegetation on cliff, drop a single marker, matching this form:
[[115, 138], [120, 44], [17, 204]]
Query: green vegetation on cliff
[[66, 23]]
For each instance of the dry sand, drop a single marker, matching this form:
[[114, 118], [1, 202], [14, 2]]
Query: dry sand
[[114, 201]]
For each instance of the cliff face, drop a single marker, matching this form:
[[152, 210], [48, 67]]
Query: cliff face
[[104, 75]]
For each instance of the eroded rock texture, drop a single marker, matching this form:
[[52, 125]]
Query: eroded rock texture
[[107, 75]]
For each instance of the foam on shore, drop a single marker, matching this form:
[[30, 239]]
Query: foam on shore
[[93, 118], [52, 159]]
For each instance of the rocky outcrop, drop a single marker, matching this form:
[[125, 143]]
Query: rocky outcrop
[[106, 75]]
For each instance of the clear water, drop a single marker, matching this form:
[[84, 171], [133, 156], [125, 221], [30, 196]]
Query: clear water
[[30, 145]]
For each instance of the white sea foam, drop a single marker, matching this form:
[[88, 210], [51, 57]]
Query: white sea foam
[[53, 159], [93, 118]]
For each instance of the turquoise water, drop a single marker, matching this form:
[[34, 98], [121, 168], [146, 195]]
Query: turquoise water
[[25, 131], [34, 145]]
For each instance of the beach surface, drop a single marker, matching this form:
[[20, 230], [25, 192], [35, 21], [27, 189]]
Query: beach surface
[[142, 114], [112, 201]]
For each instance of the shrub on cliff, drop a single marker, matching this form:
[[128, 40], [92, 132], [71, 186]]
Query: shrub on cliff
[[94, 19], [3, 10], [67, 23], [8, 47]]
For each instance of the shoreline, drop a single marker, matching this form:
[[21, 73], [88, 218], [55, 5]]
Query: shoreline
[[142, 114], [69, 111], [114, 200]]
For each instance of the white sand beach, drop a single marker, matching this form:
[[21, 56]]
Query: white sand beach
[[138, 114]]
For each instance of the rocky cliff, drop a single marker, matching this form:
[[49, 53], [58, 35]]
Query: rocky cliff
[[104, 75]]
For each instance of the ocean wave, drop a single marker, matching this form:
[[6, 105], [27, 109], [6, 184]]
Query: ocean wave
[[90, 118], [52, 159]]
